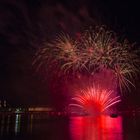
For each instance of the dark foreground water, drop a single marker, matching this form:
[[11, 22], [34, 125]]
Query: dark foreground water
[[44, 127]]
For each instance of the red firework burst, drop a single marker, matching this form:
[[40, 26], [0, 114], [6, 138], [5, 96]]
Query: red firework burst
[[94, 100]]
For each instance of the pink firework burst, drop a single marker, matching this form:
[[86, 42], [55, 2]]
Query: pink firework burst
[[94, 100], [97, 49]]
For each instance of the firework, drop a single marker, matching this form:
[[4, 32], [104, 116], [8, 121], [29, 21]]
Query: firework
[[101, 49], [95, 50], [94, 100]]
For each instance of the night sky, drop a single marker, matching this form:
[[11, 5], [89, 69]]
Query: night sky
[[25, 24]]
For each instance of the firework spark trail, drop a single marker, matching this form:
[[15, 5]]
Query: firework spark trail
[[94, 100], [96, 50], [65, 52], [101, 49]]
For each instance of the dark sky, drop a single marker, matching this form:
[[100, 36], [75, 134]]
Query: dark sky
[[25, 24]]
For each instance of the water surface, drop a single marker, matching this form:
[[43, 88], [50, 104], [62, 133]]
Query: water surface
[[45, 127]]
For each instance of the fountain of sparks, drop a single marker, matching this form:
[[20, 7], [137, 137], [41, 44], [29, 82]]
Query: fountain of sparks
[[93, 100], [99, 55]]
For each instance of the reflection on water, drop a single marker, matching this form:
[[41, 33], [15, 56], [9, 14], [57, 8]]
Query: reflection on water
[[17, 123], [11, 124], [33, 127], [45, 127], [30, 124], [98, 128]]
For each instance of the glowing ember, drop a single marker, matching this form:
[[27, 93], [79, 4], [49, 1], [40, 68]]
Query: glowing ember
[[94, 100]]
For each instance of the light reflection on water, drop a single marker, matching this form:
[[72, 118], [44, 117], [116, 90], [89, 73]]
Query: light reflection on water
[[11, 124], [33, 127], [44, 127], [96, 128], [17, 123]]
